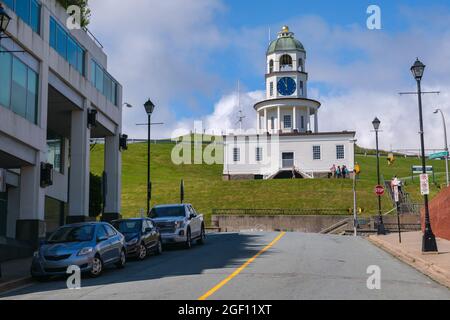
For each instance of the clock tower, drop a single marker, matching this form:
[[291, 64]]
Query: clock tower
[[287, 108]]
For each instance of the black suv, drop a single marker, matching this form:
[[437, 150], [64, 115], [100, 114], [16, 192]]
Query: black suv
[[141, 236]]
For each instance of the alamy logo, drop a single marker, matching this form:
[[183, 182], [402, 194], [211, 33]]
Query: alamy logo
[[74, 20], [374, 280], [374, 20], [74, 280]]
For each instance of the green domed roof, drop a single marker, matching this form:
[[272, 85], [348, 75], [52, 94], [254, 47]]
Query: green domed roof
[[285, 42]]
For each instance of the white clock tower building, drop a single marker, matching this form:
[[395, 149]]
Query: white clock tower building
[[287, 142], [287, 107]]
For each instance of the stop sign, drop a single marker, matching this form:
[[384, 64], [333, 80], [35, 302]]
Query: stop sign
[[379, 190]]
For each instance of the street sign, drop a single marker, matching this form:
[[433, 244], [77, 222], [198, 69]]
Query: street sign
[[419, 169], [379, 190], [439, 155], [424, 184]]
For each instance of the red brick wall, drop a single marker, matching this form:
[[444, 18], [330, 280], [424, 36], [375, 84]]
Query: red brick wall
[[440, 214]]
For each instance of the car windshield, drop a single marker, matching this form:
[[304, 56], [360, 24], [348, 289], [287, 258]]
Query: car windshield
[[129, 226], [164, 212], [73, 234]]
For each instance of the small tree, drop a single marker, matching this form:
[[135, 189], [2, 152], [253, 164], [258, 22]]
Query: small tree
[[83, 4], [95, 195]]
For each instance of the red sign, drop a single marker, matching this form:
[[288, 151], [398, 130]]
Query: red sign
[[379, 190]]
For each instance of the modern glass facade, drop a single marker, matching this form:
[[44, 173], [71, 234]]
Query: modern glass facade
[[103, 82], [19, 89], [28, 10], [66, 46]]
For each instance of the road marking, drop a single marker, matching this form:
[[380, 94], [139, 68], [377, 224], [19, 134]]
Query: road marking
[[240, 269]]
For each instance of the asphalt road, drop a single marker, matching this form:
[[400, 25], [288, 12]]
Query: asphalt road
[[296, 266]]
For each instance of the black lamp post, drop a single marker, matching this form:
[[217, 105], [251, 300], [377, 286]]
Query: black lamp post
[[4, 20], [429, 240], [380, 227], [149, 108]]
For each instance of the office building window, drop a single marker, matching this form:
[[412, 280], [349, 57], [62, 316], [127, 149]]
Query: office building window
[[66, 46], [104, 83], [287, 122], [259, 154], [317, 153], [19, 89], [236, 154], [27, 10], [340, 152]]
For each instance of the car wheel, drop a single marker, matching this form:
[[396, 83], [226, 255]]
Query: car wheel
[[159, 247], [142, 253], [188, 243], [123, 259], [97, 267], [202, 236]]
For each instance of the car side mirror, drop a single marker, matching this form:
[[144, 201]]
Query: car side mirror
[[192, 216], [148, 230]]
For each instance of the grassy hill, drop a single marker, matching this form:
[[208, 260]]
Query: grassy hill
[[206, 190]]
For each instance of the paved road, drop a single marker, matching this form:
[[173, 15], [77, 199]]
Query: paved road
[[298, 266]]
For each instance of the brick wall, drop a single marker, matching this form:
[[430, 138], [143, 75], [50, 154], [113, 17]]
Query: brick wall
[[440, 214]]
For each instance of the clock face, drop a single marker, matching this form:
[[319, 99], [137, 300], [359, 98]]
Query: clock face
[[286, 86]]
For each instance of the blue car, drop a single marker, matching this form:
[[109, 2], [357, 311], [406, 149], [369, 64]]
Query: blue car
[[90, 246]]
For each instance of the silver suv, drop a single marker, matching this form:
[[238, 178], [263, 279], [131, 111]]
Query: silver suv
[[179, 223]]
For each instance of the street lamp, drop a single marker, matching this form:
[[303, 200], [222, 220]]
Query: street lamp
[[149, 108], [380, 228], [4, 20], [446, 145], [355, 209], [429, 240]]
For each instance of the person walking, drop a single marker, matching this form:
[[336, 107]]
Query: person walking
[[338, 172], [333, 171], [344, 172]]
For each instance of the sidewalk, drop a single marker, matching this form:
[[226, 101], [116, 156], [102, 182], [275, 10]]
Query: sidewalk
[[436, 266], [15, 273]]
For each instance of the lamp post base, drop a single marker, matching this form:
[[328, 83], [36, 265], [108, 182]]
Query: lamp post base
[[429, 242], [381, 231]]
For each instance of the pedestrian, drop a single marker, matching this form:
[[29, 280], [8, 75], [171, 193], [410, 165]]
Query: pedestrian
[[400, 185], [333, 171], [344, 172], [338, 172]]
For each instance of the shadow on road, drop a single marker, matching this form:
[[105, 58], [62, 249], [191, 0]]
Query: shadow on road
[[228, 250]]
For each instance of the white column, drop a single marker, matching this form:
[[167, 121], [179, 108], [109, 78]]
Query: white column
[[294, 119], [258, 122], [266, 126], [113, 161], [308, 119], [278, 119], [316, 121], [79, 166], [30, 225]]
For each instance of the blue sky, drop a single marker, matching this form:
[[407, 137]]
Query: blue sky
[[189, 54]]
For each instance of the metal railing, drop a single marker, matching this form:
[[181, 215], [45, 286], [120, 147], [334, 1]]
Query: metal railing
[[280, 212]]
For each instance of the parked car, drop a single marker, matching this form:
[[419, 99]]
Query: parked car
[[141, 237], [91, 246], [179, 223]]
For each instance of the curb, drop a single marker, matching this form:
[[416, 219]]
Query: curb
[[14, 284], [429, 269]]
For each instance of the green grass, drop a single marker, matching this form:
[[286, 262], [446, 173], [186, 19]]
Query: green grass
[[206, 190]]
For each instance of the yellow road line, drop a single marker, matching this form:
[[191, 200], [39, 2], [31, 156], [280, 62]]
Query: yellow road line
[[240, 269]]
